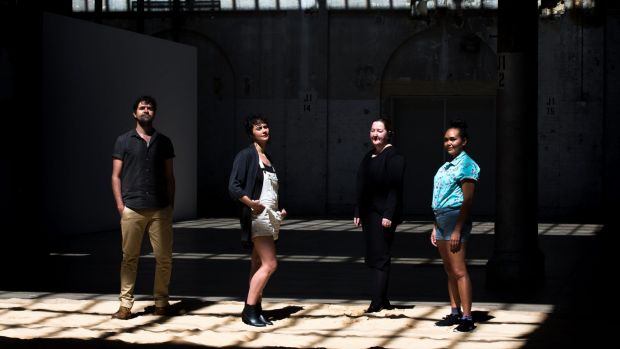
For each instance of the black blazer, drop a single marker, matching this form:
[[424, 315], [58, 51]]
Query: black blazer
[[246, 178], [380, 185]]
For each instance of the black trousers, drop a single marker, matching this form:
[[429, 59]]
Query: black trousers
[[378, 254]]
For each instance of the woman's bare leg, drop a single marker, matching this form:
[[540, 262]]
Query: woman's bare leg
[[265, 249]]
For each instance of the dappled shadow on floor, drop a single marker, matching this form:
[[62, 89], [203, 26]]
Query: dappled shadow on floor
[[576, 280], [66, 343]]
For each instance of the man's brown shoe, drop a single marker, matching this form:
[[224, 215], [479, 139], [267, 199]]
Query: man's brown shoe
[[123, 313], [162, 311]]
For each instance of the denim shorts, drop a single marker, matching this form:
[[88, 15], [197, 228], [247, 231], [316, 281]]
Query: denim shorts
[[445, 220]]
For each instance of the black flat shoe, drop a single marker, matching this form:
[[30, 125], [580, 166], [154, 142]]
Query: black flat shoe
[[377, 307], [387, 305], [374, 308]]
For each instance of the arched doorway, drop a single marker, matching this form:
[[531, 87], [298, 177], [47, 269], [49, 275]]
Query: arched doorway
[[443, 73]]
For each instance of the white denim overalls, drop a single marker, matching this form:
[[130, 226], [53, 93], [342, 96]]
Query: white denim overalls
[[267, 223]]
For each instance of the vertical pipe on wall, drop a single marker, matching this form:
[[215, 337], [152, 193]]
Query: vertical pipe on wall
[[325, 17]]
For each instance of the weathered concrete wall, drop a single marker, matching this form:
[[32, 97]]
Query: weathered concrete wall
[[571, 117], [320, 77]]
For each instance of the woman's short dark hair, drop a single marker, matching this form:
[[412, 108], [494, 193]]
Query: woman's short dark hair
[[461, 126], [253, 120], [387, 123], [147, 100]]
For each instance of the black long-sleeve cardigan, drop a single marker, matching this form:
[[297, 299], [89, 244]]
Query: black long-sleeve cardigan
[[246, 178], [380, 187]]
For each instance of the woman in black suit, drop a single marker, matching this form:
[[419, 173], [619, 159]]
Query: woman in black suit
[[379, 207]]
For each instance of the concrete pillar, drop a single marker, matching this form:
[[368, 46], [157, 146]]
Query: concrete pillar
[[517, 260], [611, 143]]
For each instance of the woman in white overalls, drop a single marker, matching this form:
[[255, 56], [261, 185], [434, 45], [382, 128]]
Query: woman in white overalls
[[254, 184]]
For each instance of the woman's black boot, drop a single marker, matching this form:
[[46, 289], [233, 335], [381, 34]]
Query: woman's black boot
[[250, 316], [261, 316]]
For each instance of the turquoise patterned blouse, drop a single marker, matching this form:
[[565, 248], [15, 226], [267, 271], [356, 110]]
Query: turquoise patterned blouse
[[447, 190]]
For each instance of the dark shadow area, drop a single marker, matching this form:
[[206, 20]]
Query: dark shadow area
[[212, 263], [402, 307], [282, 313], [581, 317], [481, 316], [183, 307]]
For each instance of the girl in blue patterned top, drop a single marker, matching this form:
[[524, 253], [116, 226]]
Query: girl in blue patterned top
[[453, 194]]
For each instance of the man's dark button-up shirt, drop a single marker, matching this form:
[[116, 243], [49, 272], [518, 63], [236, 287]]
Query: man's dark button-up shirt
[[143, 180]]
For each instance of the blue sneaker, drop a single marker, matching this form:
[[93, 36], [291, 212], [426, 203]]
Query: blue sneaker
[[465, 325], [449, 320]]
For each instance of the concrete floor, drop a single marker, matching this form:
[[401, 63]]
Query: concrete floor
[[321, 265]]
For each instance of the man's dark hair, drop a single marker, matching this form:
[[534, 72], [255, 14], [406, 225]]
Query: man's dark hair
[[147, 100]]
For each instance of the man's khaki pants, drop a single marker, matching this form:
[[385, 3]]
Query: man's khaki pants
[[158, 222]]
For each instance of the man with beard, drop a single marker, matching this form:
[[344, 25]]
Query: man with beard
[[143, 186]]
